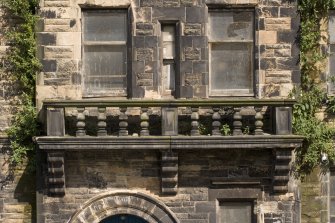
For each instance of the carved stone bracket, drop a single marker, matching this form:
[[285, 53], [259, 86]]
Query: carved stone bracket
[[169, 173], [282, 169], [56, 175]]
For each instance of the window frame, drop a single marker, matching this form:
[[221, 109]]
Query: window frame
[[110, 92], [331, 45], [233, 92], [252, 202]]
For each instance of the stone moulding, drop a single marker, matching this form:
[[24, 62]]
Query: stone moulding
[[282, 146], [124, 202], [169, 142]]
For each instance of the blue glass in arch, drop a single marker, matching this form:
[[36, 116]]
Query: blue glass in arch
[[123, 218]]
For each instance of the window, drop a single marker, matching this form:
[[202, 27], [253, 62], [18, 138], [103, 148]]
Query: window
[[169, 56], [105, 52], [236, 212], [331, 28], [231, 42]]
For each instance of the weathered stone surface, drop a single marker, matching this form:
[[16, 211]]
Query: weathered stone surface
[[192, 53], [192, 29]]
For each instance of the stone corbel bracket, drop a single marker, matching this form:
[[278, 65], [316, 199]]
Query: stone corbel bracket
[[281, 171], [169, 173], [56, 175]]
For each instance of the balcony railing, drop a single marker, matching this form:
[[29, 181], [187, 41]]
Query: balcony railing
[[168, 117]]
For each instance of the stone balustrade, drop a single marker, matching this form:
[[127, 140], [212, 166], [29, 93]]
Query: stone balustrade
[[168, 117]]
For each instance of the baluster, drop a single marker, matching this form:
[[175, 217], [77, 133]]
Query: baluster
[[195, 122], [216, 121], [80, 122], [144, 122], [258, 121], [123, 123], [102, 131], [237, 124]]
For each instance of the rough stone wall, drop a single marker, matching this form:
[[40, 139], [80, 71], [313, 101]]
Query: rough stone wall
[[59, 35], [314, 198], [17, 190], [197, 198]]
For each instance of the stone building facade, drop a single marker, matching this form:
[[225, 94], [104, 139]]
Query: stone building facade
[[166, 111], [134, 95]]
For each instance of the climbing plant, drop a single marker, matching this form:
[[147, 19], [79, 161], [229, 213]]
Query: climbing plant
[[312, 94], [22, 66]]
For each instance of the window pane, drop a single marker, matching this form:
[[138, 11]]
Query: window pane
[[332, 60], [231, 66], [168, 76], [105, 60], [105, 67], [235, 212], [168, 34], [105, 26], [225, 26], [331, 27]]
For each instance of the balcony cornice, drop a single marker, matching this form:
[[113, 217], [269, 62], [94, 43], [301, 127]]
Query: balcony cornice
[[169, 142], [167, 103]]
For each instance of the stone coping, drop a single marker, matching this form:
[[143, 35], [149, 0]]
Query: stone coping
[[169, 142], [168, 103]]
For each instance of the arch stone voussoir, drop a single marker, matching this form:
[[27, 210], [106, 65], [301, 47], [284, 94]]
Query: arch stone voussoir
[[124, 202]]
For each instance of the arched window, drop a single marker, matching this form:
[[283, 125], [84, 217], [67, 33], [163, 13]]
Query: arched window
[[123, 218]]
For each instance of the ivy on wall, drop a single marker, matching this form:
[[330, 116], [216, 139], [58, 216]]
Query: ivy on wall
[[312, 94], [22, 65]]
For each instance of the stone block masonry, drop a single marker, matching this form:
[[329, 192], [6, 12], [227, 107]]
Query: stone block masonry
[[139, 171], [60, 31]]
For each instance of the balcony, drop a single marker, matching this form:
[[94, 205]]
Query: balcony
[[168, 126]]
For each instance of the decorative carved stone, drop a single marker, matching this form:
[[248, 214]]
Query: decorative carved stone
[[195, 122], [56, 175], [81, 122], [237, 124], [282, 169], [216, 123], [258, 121], [123, 124], [144, 122], [102, 131], [169, 173]]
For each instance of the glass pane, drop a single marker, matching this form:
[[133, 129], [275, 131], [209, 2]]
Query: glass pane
[[331, 27], [235, 212], [231, 66], [168, 35], [332, 60], [168, 77], [105, 26], [105, 67], [235, 26]]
